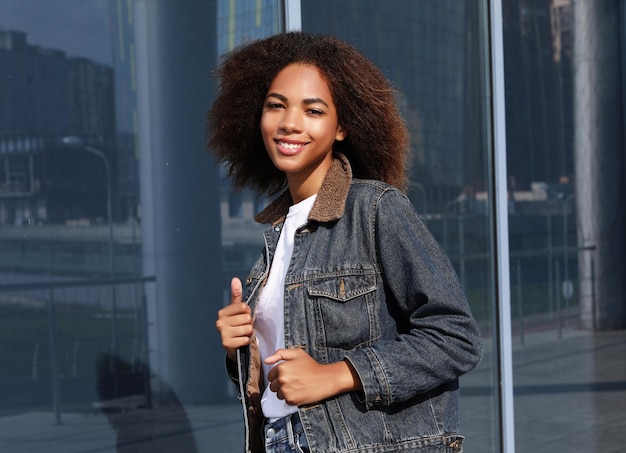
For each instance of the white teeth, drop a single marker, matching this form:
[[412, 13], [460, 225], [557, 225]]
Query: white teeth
[[290, 145]]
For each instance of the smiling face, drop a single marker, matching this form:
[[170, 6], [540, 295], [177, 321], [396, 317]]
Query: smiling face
[[299, 126]]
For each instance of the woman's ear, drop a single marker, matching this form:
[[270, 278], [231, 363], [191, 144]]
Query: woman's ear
[[341, 134]]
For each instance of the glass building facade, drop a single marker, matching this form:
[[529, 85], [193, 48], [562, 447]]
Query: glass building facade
[[119, 234]]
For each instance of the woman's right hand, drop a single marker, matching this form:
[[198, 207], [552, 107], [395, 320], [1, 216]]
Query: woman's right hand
[[234, 322]]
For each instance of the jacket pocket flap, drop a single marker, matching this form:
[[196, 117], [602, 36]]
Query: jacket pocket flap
[[342, 287]]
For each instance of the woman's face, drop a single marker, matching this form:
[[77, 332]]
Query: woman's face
[[299, 126]]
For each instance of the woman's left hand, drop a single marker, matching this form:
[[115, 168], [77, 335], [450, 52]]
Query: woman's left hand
[[299, 379]]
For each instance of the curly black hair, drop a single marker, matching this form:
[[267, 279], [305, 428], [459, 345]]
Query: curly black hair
[[377, 141]]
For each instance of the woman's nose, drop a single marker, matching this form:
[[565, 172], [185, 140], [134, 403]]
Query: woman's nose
[[291, 121]]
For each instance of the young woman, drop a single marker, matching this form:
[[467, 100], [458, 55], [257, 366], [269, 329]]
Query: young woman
[[352, 328]]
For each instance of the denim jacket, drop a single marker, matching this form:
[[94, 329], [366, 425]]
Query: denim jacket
[[367, 283]]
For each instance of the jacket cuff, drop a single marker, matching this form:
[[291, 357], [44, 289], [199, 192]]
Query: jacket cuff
[[376, 390], [233, 374]]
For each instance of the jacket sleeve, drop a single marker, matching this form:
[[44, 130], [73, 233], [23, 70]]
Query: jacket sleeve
[[437, 339]]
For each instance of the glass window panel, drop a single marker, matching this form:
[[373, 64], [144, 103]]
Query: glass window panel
[[564, 87], [107, 335], [433, 52]]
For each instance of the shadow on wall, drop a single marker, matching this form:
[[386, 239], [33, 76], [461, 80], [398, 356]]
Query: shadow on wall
[[124, 392]]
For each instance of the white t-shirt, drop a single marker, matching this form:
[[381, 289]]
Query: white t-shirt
[[270, 314]]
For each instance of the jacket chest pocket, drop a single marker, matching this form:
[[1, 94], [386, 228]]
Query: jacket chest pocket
[[345, 308]]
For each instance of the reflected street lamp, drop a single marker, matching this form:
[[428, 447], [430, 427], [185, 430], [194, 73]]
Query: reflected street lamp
[[78, 143]]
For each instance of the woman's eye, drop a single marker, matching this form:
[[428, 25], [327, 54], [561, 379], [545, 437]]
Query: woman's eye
[[273, 105], [315, 112]]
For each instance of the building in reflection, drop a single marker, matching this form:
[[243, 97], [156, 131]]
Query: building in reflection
[[539, 110], [126, 137], [47, 95]]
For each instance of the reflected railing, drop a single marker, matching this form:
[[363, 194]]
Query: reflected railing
[[545, 293], [79, 343], [544, 258], [561, 291]]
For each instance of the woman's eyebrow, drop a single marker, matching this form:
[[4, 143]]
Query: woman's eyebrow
[[277, 96], [310, 101], [307, 101]]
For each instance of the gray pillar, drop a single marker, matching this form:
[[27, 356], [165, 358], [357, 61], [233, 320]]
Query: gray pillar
[[599, 154], [175, 53]]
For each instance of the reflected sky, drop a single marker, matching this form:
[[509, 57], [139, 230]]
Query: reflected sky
[[78, 27]]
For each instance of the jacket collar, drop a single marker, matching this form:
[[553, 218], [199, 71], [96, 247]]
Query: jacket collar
[[331, 198]]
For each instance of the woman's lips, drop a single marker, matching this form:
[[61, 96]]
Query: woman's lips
[[289, 148]]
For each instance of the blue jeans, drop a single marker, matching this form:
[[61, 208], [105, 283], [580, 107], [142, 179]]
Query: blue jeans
[[286, 435]]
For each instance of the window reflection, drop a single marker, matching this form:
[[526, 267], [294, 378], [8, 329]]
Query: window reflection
[[561, 61], [77, 311]]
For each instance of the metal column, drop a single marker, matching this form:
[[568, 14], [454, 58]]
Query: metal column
[[181, 225], [600, 167]]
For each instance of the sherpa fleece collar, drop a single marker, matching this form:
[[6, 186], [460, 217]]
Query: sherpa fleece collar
[[331, 198]]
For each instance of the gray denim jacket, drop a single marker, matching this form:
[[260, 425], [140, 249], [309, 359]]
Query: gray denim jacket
[[368, 283]]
